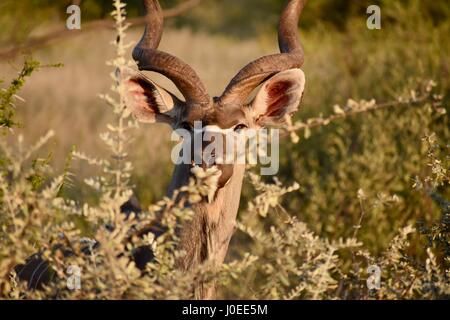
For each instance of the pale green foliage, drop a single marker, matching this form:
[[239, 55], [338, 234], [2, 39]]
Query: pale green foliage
[[269, 196], [27, 212], [8, 96], [423, 95], [294, 262]]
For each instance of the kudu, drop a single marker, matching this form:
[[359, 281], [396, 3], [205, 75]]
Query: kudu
[[205, 239]]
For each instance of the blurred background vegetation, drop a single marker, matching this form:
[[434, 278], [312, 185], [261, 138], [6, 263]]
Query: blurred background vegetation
[[381, 153], [238, 18]]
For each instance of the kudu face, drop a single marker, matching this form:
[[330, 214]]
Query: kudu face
[[278, 77]]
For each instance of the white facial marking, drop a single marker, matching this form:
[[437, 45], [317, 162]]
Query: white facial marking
[[215, 129]]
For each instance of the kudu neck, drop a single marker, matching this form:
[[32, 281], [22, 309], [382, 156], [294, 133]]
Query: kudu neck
[[205, 238]]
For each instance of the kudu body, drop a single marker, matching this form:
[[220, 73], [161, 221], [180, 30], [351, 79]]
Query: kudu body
[[206, 237]]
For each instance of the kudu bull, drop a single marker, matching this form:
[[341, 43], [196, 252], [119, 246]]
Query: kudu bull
[[206, 237]]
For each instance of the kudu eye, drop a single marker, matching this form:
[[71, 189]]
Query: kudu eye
[[240, 127]]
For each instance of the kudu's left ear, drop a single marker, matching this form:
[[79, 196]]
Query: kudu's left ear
[[278, 96], [150, 103]]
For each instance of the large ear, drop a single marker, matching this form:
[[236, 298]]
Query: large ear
[[278, 96], [150, 103]]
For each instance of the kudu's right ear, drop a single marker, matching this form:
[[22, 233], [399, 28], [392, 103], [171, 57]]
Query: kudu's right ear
[[279, 96], [150, 103]]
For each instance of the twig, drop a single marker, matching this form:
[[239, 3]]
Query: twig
[[361, 217], [354, 108]]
